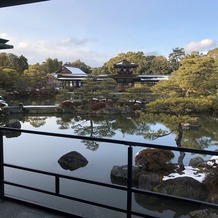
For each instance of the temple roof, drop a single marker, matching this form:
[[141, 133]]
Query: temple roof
[[3, 44], [125, 64], [66, 69]]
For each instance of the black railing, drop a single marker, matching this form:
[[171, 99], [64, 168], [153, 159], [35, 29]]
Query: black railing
[[129, 189]]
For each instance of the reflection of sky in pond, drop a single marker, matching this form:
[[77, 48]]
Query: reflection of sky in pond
[[51, 149], [43, 153]]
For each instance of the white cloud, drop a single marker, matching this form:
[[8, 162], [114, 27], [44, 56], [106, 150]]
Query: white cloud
[[6, 36], [23, 45], [66, 50], [73, 41], [155, 53], [201, 46], [3, 35]]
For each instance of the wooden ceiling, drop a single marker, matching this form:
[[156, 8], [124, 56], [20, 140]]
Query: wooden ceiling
[[6, 3]]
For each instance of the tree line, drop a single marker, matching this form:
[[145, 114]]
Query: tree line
[[192, 86], [15, 69], [189, 73]]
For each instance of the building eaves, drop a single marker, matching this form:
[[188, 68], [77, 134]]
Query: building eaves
[[3, 44], [125, 64], [7, 3]]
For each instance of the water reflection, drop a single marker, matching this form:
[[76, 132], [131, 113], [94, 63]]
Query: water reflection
[[201, 137], [36, 121], [101, 126], [104, 157], [12, 124], [91, 145], [117, 126], [11, 134], [162, 205]]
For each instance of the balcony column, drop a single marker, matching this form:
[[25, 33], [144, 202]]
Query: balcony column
[[2, 191]]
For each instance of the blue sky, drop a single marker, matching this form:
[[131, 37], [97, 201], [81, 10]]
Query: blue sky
[[96, 30]]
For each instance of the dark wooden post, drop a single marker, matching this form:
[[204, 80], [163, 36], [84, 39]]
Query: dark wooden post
[[129, 183], [57, 185], [2, 192]]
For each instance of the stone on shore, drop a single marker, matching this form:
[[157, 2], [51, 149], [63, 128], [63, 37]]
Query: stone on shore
[[186, 187]]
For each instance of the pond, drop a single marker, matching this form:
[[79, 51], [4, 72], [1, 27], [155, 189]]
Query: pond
[[43, 153]]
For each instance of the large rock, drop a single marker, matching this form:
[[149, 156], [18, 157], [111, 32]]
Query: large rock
[[148, 180], [72, 161], [184, 187], [197, 162], [12, 134], [14, 124], [119, 175], [203, 214]]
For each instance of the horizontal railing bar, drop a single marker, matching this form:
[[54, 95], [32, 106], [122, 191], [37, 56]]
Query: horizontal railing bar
[[31, 170], [192, 201], [174, 197], [30, 188], [94, 203], [123, 188], [114, 141], [68, 177], [66, 197]]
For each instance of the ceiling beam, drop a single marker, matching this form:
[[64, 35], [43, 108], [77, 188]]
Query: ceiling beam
[[7, 3], [3, 44]]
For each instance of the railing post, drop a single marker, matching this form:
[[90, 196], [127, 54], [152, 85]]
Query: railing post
[[129, 183], [57, 185], [2, 191]]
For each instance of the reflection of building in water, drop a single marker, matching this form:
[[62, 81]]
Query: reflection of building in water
[[37, 121]]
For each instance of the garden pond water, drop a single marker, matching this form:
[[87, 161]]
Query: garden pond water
[[43, 153]]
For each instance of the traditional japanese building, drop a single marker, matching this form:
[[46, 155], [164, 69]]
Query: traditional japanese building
[[125, 77], [70, 77]]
